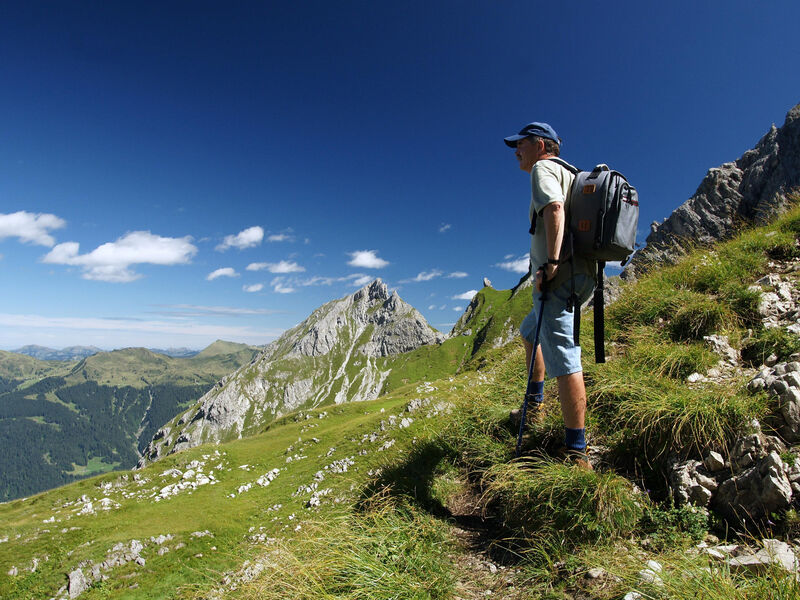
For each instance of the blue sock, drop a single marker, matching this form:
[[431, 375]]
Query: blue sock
[[535, 392], [575, 439]]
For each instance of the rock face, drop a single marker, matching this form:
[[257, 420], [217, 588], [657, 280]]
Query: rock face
[[752, 189], [334, 355]]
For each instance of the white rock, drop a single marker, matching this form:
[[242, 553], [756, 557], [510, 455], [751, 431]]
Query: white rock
[[714, 462], [77, 583]]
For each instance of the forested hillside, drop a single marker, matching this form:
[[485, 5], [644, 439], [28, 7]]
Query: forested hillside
[[63, 422]]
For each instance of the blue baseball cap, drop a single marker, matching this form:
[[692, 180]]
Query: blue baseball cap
[[542, 130]]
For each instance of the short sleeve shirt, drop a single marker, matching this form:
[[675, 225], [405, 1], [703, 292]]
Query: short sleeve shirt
[[550, 182]]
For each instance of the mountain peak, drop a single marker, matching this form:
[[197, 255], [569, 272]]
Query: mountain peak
[[376, 290]]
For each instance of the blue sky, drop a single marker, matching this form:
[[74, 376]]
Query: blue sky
[[176, 172]]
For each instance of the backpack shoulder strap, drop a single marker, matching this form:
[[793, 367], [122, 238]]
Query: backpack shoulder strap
[[572, 169]]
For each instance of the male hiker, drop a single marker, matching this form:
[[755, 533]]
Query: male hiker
[[557, 354]]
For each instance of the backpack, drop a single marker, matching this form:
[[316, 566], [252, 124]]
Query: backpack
[[602, 214]]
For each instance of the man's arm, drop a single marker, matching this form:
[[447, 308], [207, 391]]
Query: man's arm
[[553, 217]]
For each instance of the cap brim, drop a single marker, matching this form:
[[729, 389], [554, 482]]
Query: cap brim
[[511, 141]]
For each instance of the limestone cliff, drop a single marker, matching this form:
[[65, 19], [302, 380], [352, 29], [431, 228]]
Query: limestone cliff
[[329, 357], [749, 190]]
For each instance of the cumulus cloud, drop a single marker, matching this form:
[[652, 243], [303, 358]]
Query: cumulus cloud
[[424, 276], [256, 287], [112, 261], [444, 227], [366, 259], [517, 265], [247, 238], [224, 272], [283, 266], [466, 295], [30, 228], [458, 308], [457, 275]]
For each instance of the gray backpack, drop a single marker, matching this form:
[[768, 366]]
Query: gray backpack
[[602, 215]]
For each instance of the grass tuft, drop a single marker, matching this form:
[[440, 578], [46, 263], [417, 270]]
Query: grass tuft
[[551, 502], [389, 552], [656, 415]]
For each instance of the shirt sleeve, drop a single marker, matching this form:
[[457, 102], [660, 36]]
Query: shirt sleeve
[[545, 187]]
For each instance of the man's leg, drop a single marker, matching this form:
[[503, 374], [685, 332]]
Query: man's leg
[[535, 390], [572, 393], [538, 366]]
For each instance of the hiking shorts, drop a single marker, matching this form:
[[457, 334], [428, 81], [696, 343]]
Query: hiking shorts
[[561, 355]]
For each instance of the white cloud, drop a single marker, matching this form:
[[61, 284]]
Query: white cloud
[[466, 295], [247, 238], [508, 256], [458, 308], [30, 228], [111, 261], [193, 310], [283, 266], [444, 227], [362, 281], [424, 276], [256, 287], [280, 285], [518, 265], [366, 259], [443, 306], [432, 307], [137, 331], [280, 237], [224, 272], [457, 275]]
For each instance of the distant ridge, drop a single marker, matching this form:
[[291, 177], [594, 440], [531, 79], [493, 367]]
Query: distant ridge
[[65, 354]]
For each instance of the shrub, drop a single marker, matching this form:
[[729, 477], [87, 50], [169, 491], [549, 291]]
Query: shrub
[[675, 526]]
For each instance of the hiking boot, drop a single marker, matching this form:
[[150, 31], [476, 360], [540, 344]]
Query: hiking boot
[[533, 416], [577, 458]]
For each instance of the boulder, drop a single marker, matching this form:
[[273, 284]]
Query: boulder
[[756, 492]]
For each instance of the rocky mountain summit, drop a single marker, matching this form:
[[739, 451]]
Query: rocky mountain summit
[[751, 189], [332, 356]]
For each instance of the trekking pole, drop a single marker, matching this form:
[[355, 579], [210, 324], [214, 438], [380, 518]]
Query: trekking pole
[[530, 367]]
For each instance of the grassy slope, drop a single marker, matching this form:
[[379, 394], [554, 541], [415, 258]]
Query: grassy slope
[[209, 507], [15, 366]]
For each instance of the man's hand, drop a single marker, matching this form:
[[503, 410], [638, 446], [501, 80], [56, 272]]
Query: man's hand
[[546, 273]]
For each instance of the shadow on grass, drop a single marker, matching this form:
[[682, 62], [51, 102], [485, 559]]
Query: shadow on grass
[[413, 478], [476, 526]]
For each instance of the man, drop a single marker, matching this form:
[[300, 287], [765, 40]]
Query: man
[[557, 354]]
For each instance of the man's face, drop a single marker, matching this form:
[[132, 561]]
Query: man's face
[[527, 153]]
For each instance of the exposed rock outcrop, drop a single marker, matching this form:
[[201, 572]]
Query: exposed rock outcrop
[[334, 355], [751, 189]]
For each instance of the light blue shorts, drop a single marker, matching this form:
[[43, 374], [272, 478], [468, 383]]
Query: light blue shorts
[[561, 355]]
